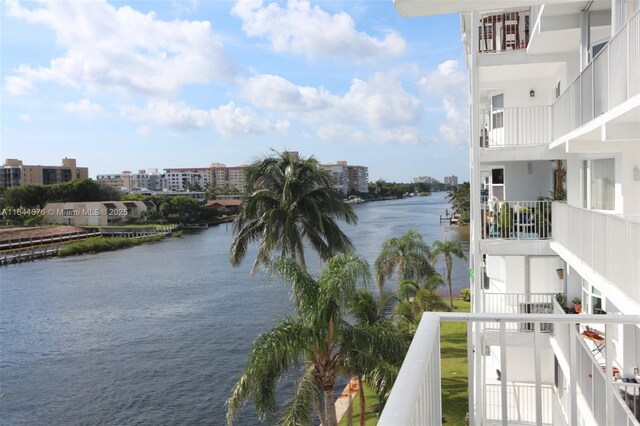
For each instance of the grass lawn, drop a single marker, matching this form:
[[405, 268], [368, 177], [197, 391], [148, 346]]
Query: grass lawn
[[453, 341], [453, 350]]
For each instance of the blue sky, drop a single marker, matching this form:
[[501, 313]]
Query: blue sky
[[128, 85]]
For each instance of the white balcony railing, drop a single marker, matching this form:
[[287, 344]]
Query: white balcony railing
[[517, 220], [609, 244], [629, 393], [516, 126], [519, 407], [517, 303], [611, 78], [416, 396]]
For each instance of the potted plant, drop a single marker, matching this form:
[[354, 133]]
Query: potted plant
[[505, 220], [577, 305], [561, 298]]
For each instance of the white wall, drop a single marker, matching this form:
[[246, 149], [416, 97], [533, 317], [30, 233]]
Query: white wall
[[520, 185], [515, 274], [521, 364], [544, 278], [630, 190]]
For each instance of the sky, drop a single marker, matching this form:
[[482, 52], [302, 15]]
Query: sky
[[129, 85]]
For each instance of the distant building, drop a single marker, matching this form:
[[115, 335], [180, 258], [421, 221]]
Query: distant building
[[224, 177], [15, 173], [231, 205], [128, 181], [424, 179], [185, 179], [347, 178], [95, 213], [451, 180], [358, 178], [339, 175]]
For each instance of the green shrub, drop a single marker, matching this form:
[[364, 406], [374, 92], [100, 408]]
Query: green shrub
[[465, 294], [100, 244]]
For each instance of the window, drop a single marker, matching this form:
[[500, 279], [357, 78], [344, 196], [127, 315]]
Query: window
[[598, 184]]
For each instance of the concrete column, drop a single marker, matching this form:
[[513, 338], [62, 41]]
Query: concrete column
[[476, 395]]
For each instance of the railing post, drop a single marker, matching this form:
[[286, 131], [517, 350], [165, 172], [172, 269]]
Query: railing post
[[503, 374], [536, 362]]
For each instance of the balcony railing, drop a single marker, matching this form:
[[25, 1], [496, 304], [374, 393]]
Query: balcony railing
[[519, 407], [516, 126], [610, 79], [516, 220], [416, 396], [518, 303], [609, 244]]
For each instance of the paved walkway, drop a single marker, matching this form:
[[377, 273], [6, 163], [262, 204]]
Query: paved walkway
[[342, 403]]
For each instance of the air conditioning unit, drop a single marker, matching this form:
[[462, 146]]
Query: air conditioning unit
[[536, 308]]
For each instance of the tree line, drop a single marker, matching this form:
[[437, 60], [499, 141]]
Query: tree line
[[339, 327]]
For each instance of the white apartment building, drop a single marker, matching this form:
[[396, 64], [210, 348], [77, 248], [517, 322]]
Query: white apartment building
[[178, 180], [128, 181], [554, 91], [339, 175]]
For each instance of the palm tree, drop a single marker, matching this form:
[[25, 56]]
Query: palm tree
[[291, 201], [448, 249], [368, 311], [320, 334], [407, 289], [407, 255], [460, 197]]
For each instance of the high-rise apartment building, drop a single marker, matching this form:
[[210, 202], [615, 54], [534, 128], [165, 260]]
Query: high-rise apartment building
[[451, 180], [554, 107], [347, 178], [15, 173]]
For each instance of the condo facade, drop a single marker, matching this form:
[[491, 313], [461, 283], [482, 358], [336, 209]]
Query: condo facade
[[554, 108], [15, 173]]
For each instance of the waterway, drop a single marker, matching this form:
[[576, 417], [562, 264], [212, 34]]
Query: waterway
[[157, 334]]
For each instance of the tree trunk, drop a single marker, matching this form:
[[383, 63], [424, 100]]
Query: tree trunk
[[330, 408], [363, 402], [450, 289]]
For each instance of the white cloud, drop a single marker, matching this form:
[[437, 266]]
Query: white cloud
[[276, 93], [17, 86], [120, 49], [374, 110], [449, 83], [25, 118], [227, 119], [84, 108], [302, 29]]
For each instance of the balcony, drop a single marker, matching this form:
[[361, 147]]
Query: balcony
[[517, 303], [517, 220], [416, 396], [607, 243], [610, 79], [516, 126]]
